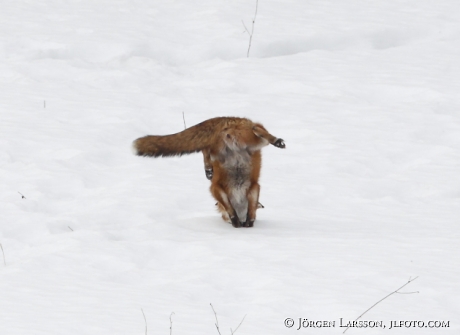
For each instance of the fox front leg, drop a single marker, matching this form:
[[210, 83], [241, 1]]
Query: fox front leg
[[253, 204], [222, 199]]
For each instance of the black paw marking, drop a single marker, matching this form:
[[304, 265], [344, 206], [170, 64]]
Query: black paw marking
[[209, 173], [248, 223], [235, 222], [279, 143]]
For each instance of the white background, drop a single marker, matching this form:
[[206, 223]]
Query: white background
[[365, 196]]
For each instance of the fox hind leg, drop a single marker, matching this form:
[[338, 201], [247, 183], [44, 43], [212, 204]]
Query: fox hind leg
[[207, 164], [261, 132], [279, 143]]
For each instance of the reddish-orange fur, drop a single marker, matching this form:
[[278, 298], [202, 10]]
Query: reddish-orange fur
[[231, 149]]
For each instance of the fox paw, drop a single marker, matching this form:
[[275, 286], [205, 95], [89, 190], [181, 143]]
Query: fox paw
[[248, 223], [209, 173], [279, 143], [235, 222]]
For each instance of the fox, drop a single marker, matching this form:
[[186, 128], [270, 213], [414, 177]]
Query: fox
[[208, 170], [231, 148]]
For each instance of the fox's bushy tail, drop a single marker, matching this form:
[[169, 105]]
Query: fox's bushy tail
[[190, 140]]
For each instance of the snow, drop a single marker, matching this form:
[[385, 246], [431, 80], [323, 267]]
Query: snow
[[365, 196]]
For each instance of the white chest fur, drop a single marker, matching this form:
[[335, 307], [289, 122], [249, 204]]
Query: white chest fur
[[237, 164]]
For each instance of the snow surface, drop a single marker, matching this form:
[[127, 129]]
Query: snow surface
[[366, 195]]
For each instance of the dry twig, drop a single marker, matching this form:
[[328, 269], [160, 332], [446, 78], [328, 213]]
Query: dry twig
[[217, 323], [409, 281], [233, 332], [4, 261], [145, 321], [170, 323], [252, 30]]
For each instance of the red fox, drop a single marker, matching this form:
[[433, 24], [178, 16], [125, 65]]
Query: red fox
[[231, 149]]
